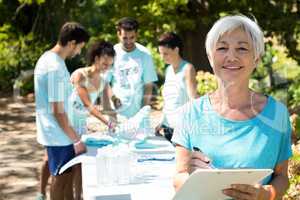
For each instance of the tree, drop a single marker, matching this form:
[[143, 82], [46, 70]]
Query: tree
[[277, 18], [40, 21], [193, 18]]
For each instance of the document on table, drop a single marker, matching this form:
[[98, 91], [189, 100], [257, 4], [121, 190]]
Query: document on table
[[208, 184]]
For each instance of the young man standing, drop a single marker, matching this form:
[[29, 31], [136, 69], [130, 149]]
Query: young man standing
[[52, 88], [133, 71]]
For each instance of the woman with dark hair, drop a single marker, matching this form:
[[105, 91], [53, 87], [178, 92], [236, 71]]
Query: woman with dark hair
[[180, 81], [89, 83]]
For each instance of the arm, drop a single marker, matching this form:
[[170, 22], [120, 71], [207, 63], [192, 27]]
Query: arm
[[62, 119], [147, 94], [275, 190], [83, 93], [190, 80], [186, 163], [182, 166], [107, 94], [56, 84], [280, 180]]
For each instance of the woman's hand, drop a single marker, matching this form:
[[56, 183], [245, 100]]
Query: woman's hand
[[112, 124], [187, 161], [198, 160], [250, 192]]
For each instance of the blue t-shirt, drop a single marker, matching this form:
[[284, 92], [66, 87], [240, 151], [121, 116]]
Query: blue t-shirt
[[174, 93], [51, 84], [260, 142], [130, 72]]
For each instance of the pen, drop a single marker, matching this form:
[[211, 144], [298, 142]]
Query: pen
[[155, 159], [209, 162]]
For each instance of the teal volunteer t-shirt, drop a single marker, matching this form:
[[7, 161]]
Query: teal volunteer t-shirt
[[52, 84], [130, 72], [260, 142]]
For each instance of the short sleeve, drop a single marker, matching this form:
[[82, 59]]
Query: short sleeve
[[149, 74], [286, 148], [56, 86], [181, 134]]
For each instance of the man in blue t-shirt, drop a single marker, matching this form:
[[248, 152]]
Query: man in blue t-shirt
[[52, 88], [133, 72]]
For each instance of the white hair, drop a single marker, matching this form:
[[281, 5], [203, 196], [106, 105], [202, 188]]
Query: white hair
[[230, 23]]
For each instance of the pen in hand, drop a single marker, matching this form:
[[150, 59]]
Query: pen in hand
[[208, 162]]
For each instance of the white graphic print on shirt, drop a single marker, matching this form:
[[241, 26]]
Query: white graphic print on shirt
[[129, 73]]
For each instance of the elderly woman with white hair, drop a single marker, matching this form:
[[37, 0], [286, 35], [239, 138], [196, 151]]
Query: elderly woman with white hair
[[234, 126]]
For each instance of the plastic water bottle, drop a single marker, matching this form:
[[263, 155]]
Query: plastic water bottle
[[100, 167], [136, 127], [114, 165], [124, 163], [111, 167], [105, 166]]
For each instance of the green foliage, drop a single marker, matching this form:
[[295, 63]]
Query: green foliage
[[295, 120], [280, 20], [294, 177], [294, 94], [278, 75], [296, 158], [159, 101], [17, 53], [32, 1], [158, 62], [154, 17], [206, 82]]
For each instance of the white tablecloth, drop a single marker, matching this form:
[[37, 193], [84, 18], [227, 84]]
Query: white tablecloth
[[153, 180]]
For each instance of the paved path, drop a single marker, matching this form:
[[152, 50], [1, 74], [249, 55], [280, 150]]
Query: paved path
[[20, 154]]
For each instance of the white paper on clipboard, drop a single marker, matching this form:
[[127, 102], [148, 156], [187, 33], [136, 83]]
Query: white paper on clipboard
[[207, 184]]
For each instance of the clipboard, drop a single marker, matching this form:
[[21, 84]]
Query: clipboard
[[207, 184]]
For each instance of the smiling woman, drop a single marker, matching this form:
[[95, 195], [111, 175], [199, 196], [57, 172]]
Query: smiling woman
[[234, 126], [89, 82], [233, 57]]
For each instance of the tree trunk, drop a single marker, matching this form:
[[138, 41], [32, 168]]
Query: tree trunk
[[50, 17], [194, 48]]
